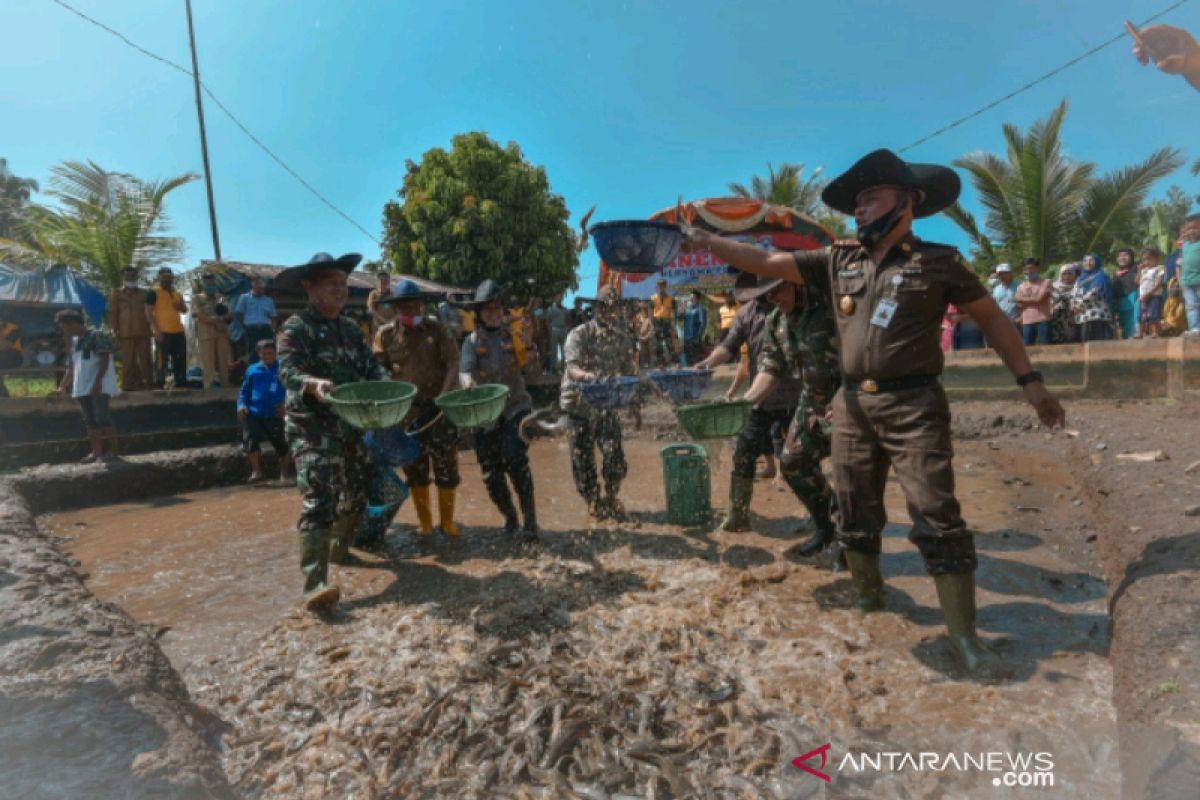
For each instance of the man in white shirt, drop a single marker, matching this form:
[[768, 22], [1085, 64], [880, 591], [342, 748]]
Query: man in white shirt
[[91, 380], [255, 314]]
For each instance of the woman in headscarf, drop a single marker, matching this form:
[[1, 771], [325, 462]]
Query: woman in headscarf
[[1062, 321], [1091, 301], [1125, 293]]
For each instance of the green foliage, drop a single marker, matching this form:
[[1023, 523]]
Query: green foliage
[[787, 186], [1039, 202], [481, 211], [14, 198], [103, 222]]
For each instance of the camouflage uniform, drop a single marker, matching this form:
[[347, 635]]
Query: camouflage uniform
[[332, 467], [491, 356], [803, 344], [604, 351], [421, 355]]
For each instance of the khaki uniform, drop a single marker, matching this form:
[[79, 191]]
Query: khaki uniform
[[132, 329], [422, 355], [891, 410], [386, 310], [212, 340]]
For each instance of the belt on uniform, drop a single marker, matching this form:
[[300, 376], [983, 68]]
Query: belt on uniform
[[894, 385]]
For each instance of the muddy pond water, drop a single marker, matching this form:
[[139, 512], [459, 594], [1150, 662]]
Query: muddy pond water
[[633, 659]]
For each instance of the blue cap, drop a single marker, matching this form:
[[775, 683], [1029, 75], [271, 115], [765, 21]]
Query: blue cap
[[406, 290]]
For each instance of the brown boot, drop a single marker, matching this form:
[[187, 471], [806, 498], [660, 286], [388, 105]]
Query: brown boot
[[446, 512]]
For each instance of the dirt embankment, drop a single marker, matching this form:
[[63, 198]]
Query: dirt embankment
[[1140, 464], [89, 705], [1137, 467]]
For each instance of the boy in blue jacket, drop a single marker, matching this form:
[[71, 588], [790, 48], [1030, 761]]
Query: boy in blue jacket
[[260, 410]]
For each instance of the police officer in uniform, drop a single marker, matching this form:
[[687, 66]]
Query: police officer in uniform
[[799, 340], [600, 348], [490, 355], [421, 350], [890, 291], [320, 348]]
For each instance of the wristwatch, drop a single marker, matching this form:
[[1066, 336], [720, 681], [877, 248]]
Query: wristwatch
[[1032, 376]]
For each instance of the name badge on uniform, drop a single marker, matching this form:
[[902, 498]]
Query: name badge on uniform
[[882, 317]]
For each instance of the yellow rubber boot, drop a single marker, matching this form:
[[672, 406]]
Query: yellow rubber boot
[[446, 512], [420, 498]]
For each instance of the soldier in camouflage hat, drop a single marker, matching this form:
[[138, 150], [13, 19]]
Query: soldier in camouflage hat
[[800, 342], [320, 348], [601, 348], [489, 355]]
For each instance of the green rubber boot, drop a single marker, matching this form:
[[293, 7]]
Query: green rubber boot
[[341, 536], [314, 564], [868, 582], [738, 518], [956, 596]]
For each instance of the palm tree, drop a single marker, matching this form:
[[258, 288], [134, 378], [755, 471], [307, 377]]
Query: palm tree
[[1038, 202], [14, 196], [785, 187], [104, 222], [788, 187]]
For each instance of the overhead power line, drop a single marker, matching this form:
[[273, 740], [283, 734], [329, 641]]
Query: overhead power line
[[224, 109], [1041, 79]]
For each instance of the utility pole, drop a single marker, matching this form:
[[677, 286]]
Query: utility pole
[[212, 206]]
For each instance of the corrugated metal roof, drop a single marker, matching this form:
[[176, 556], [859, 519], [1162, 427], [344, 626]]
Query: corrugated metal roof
[[358, 278]]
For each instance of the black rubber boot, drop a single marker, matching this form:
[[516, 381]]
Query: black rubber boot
[[528, 509], [821, 538], [741, 490], [956, 596], [868, 581]]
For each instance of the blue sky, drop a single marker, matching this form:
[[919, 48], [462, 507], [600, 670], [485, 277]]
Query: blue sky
[[627, 105]]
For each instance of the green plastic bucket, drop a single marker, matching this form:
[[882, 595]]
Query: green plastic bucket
[[714, 420], [370, 405], [686, 483], [474, 407]]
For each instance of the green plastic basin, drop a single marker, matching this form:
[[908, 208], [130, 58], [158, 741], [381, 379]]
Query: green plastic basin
[[370, 405], [714, 420], [474, 407]]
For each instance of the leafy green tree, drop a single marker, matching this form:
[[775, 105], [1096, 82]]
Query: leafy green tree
[[103, 222], [14, 197], [787, 186], [1039, 202], [481, 211]]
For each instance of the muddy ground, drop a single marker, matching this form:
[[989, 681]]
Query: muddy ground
[[631, 659]]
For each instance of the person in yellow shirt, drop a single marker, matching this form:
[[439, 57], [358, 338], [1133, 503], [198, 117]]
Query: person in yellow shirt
[[728, 311], [1174, 317], [663, 310], [164, 305]]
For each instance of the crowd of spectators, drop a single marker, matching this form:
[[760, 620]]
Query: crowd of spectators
[[1145, 295]]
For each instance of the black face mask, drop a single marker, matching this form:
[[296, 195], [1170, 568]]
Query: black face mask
[[873, 233]]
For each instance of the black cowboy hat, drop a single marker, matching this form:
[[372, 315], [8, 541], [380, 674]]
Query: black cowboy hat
[[485, 292], [749, 287], [290, 278], [938, 186]]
